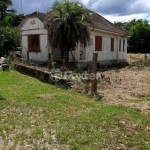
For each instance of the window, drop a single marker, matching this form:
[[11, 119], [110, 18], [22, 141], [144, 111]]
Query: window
[[119, 45], [123, 45], [98, 43], [34, 43], [112, 44]]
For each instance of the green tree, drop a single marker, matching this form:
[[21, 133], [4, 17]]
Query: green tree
[[12, 20], [139, 42], [15, 20], [11, 39], [126, 26], [4, 8], [6, 22], [139, 31], [67, 26]]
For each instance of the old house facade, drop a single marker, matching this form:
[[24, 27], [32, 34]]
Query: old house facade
[[106, 39]]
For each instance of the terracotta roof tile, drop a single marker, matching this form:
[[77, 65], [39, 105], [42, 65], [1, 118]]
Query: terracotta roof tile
[[99, 22], [40, 15]]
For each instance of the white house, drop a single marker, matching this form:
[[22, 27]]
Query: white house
[[106, 39]]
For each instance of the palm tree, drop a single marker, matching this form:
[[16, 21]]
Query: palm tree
[[4, 4], [67, 26]]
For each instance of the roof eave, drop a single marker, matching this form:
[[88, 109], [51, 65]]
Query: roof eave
[[28, 16], [105, 31]]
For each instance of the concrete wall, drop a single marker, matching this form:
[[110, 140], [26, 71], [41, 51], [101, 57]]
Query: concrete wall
[[35, 26], [122, 55], [32, 23], [30, 28], [106, 54]]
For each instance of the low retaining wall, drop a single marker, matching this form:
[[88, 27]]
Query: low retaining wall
[[43, 76], [100, 64]]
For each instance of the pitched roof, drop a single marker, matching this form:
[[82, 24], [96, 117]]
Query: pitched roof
[[40, 15], [99, 22]]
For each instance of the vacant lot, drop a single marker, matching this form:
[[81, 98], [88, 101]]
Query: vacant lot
[[36, 115], [130, 86]]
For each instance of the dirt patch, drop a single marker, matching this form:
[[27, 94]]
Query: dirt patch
[[126, 83], [121, 87]]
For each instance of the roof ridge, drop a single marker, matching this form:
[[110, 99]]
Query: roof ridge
[[115, 28], [112, 23], [97, 21]]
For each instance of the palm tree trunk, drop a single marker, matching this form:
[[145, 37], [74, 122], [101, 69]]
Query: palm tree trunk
[[0, 41], [49, 51], [65, 53], [67, 56]]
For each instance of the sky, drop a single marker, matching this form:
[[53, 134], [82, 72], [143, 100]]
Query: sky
[[113, 10]]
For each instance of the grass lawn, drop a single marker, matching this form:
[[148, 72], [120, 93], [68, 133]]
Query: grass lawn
[[36, 115]]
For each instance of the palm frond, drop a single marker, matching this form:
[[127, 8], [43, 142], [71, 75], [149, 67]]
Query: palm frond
[[67, 24]]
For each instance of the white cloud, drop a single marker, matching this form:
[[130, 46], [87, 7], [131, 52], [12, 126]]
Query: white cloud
[[35, 5], [113, 10], [126, 18], [85, 2], [119, 7], [95, 4]]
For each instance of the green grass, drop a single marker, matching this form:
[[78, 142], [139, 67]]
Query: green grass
[[36, 115]]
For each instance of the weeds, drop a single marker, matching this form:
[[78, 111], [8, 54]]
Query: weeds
[[37, 115]]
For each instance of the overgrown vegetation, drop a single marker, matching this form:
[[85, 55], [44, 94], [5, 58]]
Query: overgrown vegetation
[[35, 115], [9, 36], [11, 39], [139, 31]]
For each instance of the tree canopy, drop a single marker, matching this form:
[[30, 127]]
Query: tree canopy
[[139, 31], [12, 20], [67, 25], [4, 8], [9, 36], [139, 42]]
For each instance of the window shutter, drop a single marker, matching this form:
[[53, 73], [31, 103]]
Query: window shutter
[[112, 44], [98, 43], [123, 45], [34, 43], [119, 45], [38, 48], [29, 42]]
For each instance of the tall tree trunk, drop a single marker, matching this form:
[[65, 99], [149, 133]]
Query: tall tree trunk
[[0, 42], [94, 71], [28, 57], [49, 61], [66, 58], [49, 48]]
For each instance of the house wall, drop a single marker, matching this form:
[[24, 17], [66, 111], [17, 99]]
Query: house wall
[[122, 55], [34, 26], [106, 56]]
